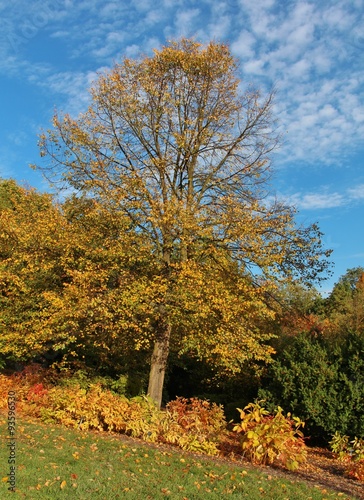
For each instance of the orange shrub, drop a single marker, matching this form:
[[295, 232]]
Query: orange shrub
[[271, 438], [191, 424]]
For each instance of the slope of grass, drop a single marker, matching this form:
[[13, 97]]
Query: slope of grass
[[54, 463]]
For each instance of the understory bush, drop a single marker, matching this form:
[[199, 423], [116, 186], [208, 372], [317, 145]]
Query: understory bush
[[268, 439], [321, 380], [351, 453], [192, 424]]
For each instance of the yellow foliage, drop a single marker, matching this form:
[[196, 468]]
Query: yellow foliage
[[173, 241]]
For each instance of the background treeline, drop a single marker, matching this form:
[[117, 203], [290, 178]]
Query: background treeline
[[78, 291]]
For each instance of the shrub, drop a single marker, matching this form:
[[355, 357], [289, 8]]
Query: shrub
[[101, 409], [351, 453], [322, 381], [194, 425], [123, 385], [30, 385], [268, 439]]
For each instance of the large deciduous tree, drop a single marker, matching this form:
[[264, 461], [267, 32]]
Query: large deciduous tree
[[174, 143], [69, 280]]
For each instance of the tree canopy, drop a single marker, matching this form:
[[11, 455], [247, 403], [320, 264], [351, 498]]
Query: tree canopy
[[177, 146]]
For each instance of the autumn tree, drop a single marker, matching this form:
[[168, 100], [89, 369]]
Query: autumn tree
[[345, 304], [298, 309], [29, 266], [72, 286], [175, 144]]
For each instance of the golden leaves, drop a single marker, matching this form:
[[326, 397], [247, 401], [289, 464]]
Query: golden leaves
[[172, 163]]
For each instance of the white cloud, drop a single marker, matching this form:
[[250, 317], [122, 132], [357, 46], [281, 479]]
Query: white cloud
[[357, 193], [219, 29], [243, 47], [154, 17], [311, 51], [303, 48], [327, 112], [185, 20], [112, 42], [73, 87], [314, 201], [324, 199], [132, 51], [300, 70], [357, 256], [255, 67]]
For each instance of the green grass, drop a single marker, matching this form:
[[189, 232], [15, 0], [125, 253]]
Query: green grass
[[55, 463]]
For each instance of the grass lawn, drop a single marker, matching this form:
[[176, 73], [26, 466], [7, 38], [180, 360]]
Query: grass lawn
[[54, 463]]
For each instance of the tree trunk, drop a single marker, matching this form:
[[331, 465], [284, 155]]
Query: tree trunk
[[158, 364]]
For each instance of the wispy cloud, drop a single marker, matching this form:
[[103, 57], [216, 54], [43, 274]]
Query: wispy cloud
[[357, 256], [357, 193], [313, 52], [22, 21], [306, 49], [314, 201], [324, 199]]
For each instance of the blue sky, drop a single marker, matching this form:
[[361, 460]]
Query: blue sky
[[312, 51]]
